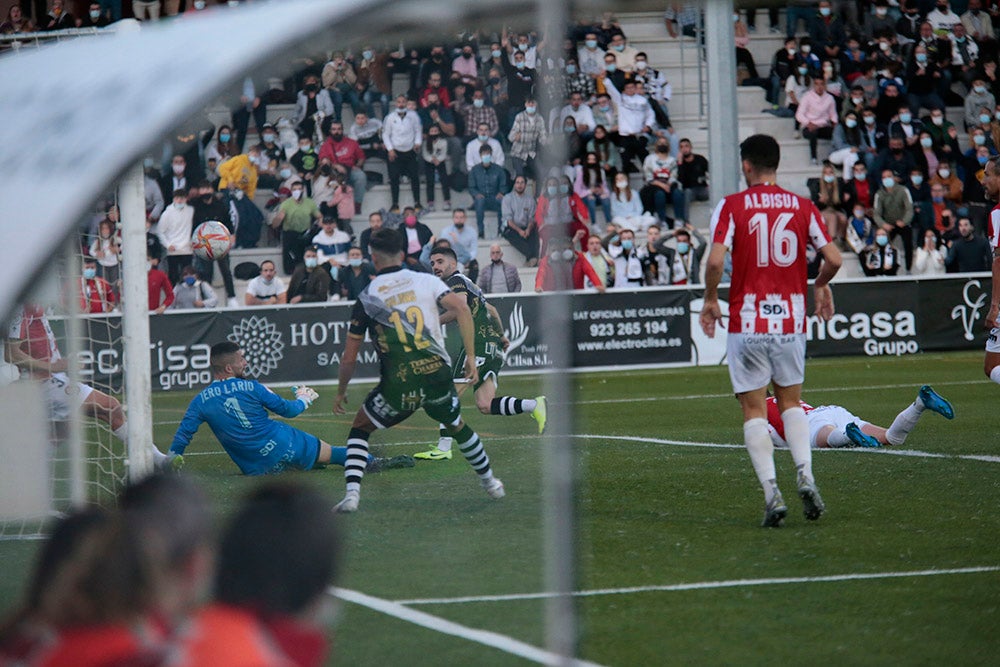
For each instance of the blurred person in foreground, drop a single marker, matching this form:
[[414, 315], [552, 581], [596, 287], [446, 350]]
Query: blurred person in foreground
[[277, 558]]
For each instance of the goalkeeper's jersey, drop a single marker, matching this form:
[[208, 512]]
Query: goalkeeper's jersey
[[236, 410], [487, 335], [399, 309]]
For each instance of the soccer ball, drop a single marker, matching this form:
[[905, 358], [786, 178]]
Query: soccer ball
[[211, 240]]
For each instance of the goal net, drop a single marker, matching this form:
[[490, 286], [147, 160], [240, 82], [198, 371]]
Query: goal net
[[62, 383]]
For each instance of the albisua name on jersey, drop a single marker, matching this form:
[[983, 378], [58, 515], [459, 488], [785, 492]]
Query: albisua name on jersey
[[782, 200]]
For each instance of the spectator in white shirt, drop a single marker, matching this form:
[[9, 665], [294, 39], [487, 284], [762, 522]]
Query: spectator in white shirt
[[582, 114], [402, 135], [483, 138], [174, 231], [266, 289]]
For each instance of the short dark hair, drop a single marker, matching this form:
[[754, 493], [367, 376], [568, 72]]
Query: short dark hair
[[761, 151], [386, 242], [220, 353], [280, 523], [266, 261], [180, 192], [444, 250]]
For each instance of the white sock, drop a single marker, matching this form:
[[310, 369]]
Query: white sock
[[761, 450], [995, 375], [904, 423], [444, 441], [797, 436], [529, 404], [122, 434], [837, 438]]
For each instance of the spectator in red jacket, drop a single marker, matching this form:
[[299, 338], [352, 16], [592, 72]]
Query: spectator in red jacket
[[161, 292], [96, 293], [347, 158], [563, 268]]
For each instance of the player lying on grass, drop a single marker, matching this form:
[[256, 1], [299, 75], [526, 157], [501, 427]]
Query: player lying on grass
[[31, 346], [834, 426], [490, 345], [236, 409]]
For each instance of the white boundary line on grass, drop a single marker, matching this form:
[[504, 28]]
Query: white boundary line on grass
[[888, 451], [702, 585], [438, 624], [812, 390]]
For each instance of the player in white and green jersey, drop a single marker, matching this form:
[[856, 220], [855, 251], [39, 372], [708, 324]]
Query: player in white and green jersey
[[399, 310], [490, 346]]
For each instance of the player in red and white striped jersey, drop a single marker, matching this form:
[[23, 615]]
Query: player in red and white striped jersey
[[991, 184], [31, 346], [835, 426], [768, 229]]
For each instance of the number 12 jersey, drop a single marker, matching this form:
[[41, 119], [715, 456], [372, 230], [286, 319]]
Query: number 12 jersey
[[767, 229]]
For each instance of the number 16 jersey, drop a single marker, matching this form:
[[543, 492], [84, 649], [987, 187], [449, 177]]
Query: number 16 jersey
[[767, 229]]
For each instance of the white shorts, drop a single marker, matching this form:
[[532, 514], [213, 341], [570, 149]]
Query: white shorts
[[993, 341], [829, 415], [756, 359], [65, 396]]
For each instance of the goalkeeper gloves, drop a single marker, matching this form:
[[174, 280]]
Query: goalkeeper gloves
[[305, 394]]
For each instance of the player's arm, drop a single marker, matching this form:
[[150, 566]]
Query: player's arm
[[456, 305], [498, 323], [279, 405], [822, 294], [991, 317], [721, 229], [348, 362], [15, 355], [188, 427], [711, 313]]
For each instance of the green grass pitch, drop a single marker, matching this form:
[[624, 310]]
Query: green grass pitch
[[668, 536]]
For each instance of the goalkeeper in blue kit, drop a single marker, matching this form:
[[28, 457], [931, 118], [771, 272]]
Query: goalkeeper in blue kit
[[237, 410]]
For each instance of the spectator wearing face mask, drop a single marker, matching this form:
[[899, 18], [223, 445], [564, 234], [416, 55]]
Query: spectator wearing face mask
[[977, 98], [355, 276], [310, 101], [174, 231], [947, 178], [346, 158], [414, 235], [96, 293], [929, 258], [309, 283], [487, 185], [295, 216], [880, 259], [893, 212], [659, 170], [434, 152], [563, 268], [192, 292], [402, 136], [860, 230]]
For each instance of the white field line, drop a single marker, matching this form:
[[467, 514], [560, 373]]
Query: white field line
[[688, 397], [885, 451], [811, 390], [438, 624], [703, 585]]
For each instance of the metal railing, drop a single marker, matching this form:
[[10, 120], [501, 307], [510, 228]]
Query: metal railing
[[14, 43]]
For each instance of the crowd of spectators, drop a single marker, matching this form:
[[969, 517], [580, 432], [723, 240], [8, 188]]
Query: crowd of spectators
[[477, 116], [876, 84]]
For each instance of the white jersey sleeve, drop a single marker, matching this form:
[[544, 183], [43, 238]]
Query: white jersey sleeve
[[726, 222]]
